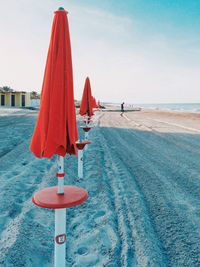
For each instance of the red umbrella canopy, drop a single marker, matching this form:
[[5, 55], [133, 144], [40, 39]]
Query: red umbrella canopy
[[95, 103], [56, 130], [98, 105], [86, 102]]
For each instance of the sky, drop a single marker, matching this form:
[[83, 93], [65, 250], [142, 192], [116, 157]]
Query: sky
[[136, 51]]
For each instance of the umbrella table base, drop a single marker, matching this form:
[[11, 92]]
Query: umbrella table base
[[49, 198], [86, 128], [81, 144], [89, 121]]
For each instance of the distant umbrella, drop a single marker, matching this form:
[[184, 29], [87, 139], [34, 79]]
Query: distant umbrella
[[94, 104], [86, 102], [86, 107]]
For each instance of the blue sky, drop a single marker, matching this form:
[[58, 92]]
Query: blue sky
[[139, 51]]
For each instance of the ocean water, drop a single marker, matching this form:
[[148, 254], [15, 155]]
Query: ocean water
[[180, 107]]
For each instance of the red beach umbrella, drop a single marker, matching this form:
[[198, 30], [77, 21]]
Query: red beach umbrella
[[86, 107], [86, 102], [94, 104], [56, 131]]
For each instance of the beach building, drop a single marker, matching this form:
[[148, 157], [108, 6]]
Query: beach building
[[15, 99]]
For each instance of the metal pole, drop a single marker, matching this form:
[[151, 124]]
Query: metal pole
[[60, 179], [60, 221], [86, 138], [80, 164], [60, 237], [86, 119], [86, 133]]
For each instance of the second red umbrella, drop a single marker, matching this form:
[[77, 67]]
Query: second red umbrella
[[86, 102]]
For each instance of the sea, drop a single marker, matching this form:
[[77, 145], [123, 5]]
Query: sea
[[179, 107]]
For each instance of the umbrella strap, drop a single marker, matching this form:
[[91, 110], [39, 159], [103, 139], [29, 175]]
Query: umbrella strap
[[60, 174]]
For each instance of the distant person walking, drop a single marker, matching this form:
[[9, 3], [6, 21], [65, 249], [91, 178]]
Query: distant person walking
[[122, 109]]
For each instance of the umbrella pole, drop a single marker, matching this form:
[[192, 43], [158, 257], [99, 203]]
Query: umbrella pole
[[60, 237], [60, 175], [86, 133], [60, 220], [80, 163], [86, 120]]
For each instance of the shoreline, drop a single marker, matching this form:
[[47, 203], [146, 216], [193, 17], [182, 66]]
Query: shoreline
[[156, 111], [156, 120], [176, 107]]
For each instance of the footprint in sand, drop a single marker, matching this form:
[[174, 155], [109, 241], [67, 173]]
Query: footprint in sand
[[75, 226], [99, 214], [15, 173], [14, 210], [82, 251]]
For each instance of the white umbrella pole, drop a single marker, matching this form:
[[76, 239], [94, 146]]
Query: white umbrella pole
[[60, 171], [86, 133], [80, 164], [60, 237], [60, 222], [86, 136]]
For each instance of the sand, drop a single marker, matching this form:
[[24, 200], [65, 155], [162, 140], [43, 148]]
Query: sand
[[142, 173]]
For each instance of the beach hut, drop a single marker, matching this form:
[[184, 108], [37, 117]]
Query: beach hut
[[15, 99]]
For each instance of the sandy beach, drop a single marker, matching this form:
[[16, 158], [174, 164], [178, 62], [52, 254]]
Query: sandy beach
[[142, 173]]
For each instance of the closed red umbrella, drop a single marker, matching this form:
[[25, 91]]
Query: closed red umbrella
[[86, 102], [56, 131], [86, 107], [94, 104]]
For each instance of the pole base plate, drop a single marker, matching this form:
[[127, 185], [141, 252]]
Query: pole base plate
[[86, 128], [81, 144], [50, 199]]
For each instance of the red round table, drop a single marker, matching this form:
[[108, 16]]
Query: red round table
[[81, 144], [89, 121], [86, 128], [50, 199]]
